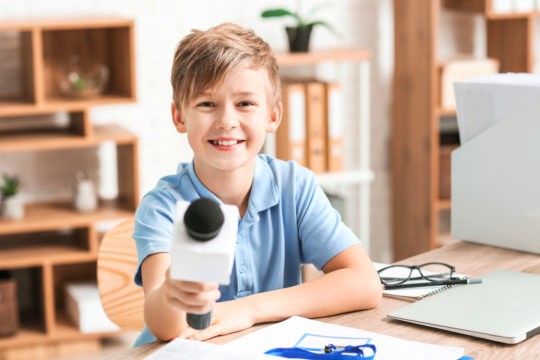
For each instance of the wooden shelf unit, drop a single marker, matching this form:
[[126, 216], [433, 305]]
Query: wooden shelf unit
[[361, 175], [416, 146], [54, 244]]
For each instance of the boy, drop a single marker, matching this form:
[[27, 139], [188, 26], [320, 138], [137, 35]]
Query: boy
[[226, 97]]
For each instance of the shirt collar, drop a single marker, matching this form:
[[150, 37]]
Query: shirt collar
[[264, 191], [263, 194], [201, 190]]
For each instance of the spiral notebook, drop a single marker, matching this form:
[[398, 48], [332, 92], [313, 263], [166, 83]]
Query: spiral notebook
[[411, 294]]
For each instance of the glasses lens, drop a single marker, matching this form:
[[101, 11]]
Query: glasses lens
[[436, 271], [393, 275]]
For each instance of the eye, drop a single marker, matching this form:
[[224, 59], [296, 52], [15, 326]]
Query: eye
[[206, 104], [246, 103]]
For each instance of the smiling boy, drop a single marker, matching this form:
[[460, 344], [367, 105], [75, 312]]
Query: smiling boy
[[226, 98]]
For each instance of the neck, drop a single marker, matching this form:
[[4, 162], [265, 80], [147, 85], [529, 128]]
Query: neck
[[231, 187]]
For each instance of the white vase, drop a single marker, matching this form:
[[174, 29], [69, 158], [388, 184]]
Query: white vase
[[13, 207], [85, 198]]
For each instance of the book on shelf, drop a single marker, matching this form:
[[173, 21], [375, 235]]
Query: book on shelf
[[290, 138], [312, 128], [335, 125], [316, 125]]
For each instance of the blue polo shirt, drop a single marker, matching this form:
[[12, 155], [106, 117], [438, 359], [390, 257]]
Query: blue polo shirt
[[288, 222]]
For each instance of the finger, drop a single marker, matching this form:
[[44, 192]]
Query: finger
[[194, 303], [188, 333], [208, 333], [198, 299], [194, 287]]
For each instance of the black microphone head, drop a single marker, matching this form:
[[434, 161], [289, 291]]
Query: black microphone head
[[203, 219]]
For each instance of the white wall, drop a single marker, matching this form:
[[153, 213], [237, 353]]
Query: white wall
[[159, 26]]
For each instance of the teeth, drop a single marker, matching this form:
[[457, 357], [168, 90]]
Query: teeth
[[225, 142]]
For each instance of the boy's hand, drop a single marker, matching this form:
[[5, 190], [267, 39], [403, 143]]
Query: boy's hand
[[228, 317], [191, 297]]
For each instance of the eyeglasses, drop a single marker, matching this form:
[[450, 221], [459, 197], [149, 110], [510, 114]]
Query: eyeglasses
[[432, 272]]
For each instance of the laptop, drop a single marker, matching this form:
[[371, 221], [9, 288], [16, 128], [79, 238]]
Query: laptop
[[505, 308]]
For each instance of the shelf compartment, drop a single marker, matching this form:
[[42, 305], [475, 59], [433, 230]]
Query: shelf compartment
[[91, 46], [485, 7], [16, 69], [63, 275], [61, 215], [40, 247], [70, 273], [509, 41], [48, 141], [30, 307], [71, 123]]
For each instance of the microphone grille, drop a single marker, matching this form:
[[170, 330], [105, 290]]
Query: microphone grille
[[203, 219]]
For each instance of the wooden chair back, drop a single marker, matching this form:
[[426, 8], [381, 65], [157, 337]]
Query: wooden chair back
[[122, 300]]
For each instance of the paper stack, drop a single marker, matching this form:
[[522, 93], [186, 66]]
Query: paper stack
[[83, 307], [496, 172]]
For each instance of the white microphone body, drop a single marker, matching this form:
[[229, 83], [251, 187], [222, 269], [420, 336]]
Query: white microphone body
[[204, 261]]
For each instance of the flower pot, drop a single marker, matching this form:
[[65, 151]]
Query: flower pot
[[299, 38], [13, 207]]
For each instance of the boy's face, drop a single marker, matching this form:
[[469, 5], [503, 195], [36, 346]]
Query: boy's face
[[226, 125]]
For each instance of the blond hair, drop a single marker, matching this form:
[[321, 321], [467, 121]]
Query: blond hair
[[203, 58]]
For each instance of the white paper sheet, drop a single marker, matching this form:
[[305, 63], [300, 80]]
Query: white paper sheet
[[295, 330], [484, 101], [182, 349]]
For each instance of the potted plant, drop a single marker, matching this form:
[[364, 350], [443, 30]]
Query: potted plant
[[12, 201], [299, 34]]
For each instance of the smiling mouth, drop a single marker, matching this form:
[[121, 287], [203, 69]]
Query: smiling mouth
[[226, 142]]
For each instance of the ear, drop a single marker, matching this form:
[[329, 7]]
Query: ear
[[177, 118], [275, 118]]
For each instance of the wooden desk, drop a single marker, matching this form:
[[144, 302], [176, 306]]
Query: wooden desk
[[468, 258]]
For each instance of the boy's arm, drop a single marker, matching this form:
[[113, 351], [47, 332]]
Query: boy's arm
[[167, 301], [350, 283]]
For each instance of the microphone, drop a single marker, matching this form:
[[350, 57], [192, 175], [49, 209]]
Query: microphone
[[204, 239]]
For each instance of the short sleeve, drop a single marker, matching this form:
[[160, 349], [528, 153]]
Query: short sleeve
[[153, 228], [322, 233]]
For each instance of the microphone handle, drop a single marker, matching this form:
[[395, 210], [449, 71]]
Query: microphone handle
[[199, 321]]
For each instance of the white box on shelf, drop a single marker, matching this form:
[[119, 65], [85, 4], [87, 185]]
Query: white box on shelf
[[502, 6], [84, 309], [524, 5]]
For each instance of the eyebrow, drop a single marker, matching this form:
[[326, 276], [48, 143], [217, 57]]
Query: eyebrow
[[242, 93]]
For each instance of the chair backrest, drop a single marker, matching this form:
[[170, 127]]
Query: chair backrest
[[122, 300]]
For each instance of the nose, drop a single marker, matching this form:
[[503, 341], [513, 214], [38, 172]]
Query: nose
[[227, 119]]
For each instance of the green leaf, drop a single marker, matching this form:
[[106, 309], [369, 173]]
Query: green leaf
[[276, 13], [10, 186], [326, 25], [280, 13]]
